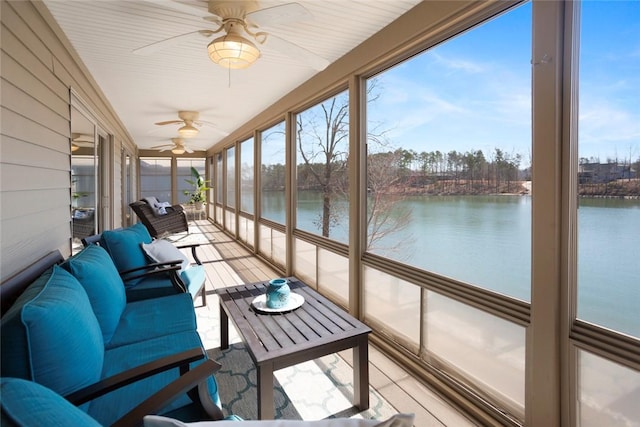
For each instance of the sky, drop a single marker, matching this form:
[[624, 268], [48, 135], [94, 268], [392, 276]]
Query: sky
[[480, 82]]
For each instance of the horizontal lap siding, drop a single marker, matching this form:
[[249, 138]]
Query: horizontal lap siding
[[34, 179], [38, 69]]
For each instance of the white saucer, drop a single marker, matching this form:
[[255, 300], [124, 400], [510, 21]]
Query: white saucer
[[260, 303]]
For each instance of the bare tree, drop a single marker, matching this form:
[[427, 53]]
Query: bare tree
[[385, 214], [322, 141]]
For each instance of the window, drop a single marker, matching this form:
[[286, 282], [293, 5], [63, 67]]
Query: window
[[273, 174], [609, 166], [448, 163], [218, 184], [184, 173], [155, 178], [246, 176], [231, 177], [322, 147]]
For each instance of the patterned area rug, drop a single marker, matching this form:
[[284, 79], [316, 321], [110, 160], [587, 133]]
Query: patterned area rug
[[318, 389]]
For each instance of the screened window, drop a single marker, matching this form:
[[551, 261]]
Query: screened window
[[609, 166], [184, 174], [448, 161], [155, 178], [231, 177], [247, 176], [322, 147], [272, 173], [219, 175]]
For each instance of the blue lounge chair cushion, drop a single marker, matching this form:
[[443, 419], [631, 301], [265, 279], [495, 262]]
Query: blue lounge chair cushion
[[154, 286], [193, 277], [26, 403], [51, 335], [108, 408], [142, 320], [124, 246], [96, 273]]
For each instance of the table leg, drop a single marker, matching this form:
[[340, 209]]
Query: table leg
[[361, 373], [224, 329], [265, 392]]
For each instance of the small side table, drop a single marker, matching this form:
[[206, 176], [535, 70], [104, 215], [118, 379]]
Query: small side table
[[276, 341]]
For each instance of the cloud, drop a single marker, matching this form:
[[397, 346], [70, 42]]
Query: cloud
[[458, 64]]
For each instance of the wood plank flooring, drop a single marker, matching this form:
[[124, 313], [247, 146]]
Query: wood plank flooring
[[228, 263]]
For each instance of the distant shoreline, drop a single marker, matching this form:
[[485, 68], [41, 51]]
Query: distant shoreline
[[620, 189]]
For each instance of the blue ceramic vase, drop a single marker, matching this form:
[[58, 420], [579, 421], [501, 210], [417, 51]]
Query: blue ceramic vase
[[278, 293]]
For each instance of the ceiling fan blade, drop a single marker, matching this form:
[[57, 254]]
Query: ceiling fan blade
[[187, 149], [281, 14], [171, 41], [189, 9], [164, 146], [86, 144], [169, 122], [297, 52], [213, 127], [81, 137]]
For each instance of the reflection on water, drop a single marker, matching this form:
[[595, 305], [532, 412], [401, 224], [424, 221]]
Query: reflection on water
[[486, 241]]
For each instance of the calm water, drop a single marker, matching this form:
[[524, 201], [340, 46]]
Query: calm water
[[486, 240]]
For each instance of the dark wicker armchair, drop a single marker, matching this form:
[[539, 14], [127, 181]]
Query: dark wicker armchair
[[174, 221]]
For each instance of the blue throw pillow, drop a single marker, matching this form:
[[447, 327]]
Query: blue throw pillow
[[95, 271], [51, 336], [25, 403], [125, 248]]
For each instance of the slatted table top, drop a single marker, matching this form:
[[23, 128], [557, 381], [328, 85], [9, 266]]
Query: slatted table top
[[317, 328]]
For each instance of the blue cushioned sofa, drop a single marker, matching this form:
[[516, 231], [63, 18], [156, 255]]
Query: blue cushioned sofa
[[67, 325], [149, 278]]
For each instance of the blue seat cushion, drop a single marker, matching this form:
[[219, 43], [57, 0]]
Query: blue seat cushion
[[51, 336], [125, 248], [25, 403], [193, 277], [108, 408], [157, 285], [142, 320], [98, 275]]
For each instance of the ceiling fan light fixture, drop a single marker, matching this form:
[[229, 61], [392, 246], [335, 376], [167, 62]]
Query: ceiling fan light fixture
[[74, 147], [188, 131], [233, 51], [178, 150]]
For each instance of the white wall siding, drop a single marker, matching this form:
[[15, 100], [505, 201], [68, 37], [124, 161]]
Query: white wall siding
[[38, 69]]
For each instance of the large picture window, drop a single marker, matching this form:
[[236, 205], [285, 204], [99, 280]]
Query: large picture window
[[448, 162], [609, 166], [322, 147], [184, 173], [273, 173], [231, 177], [155, 178], [246, 176]]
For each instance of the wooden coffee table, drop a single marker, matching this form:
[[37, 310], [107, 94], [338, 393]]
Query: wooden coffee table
[[278, 340]]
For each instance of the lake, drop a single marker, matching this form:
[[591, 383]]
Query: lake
[[486, 241]]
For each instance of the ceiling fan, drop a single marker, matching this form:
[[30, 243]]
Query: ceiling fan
[[239, 19], [178, 146], [191, 123], [79, 140]]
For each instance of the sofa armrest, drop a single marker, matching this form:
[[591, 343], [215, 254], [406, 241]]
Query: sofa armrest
[[172, 268], [153, 267], [193, 247], [130, 376], [195, 377]]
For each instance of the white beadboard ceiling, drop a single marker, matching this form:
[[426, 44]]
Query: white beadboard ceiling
[[148, 89]]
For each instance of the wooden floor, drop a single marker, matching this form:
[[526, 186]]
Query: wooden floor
[[228, 263]]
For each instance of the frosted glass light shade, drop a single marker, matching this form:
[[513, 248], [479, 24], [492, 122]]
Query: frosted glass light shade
[[233, 51], [188, 131], [178, 150]]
